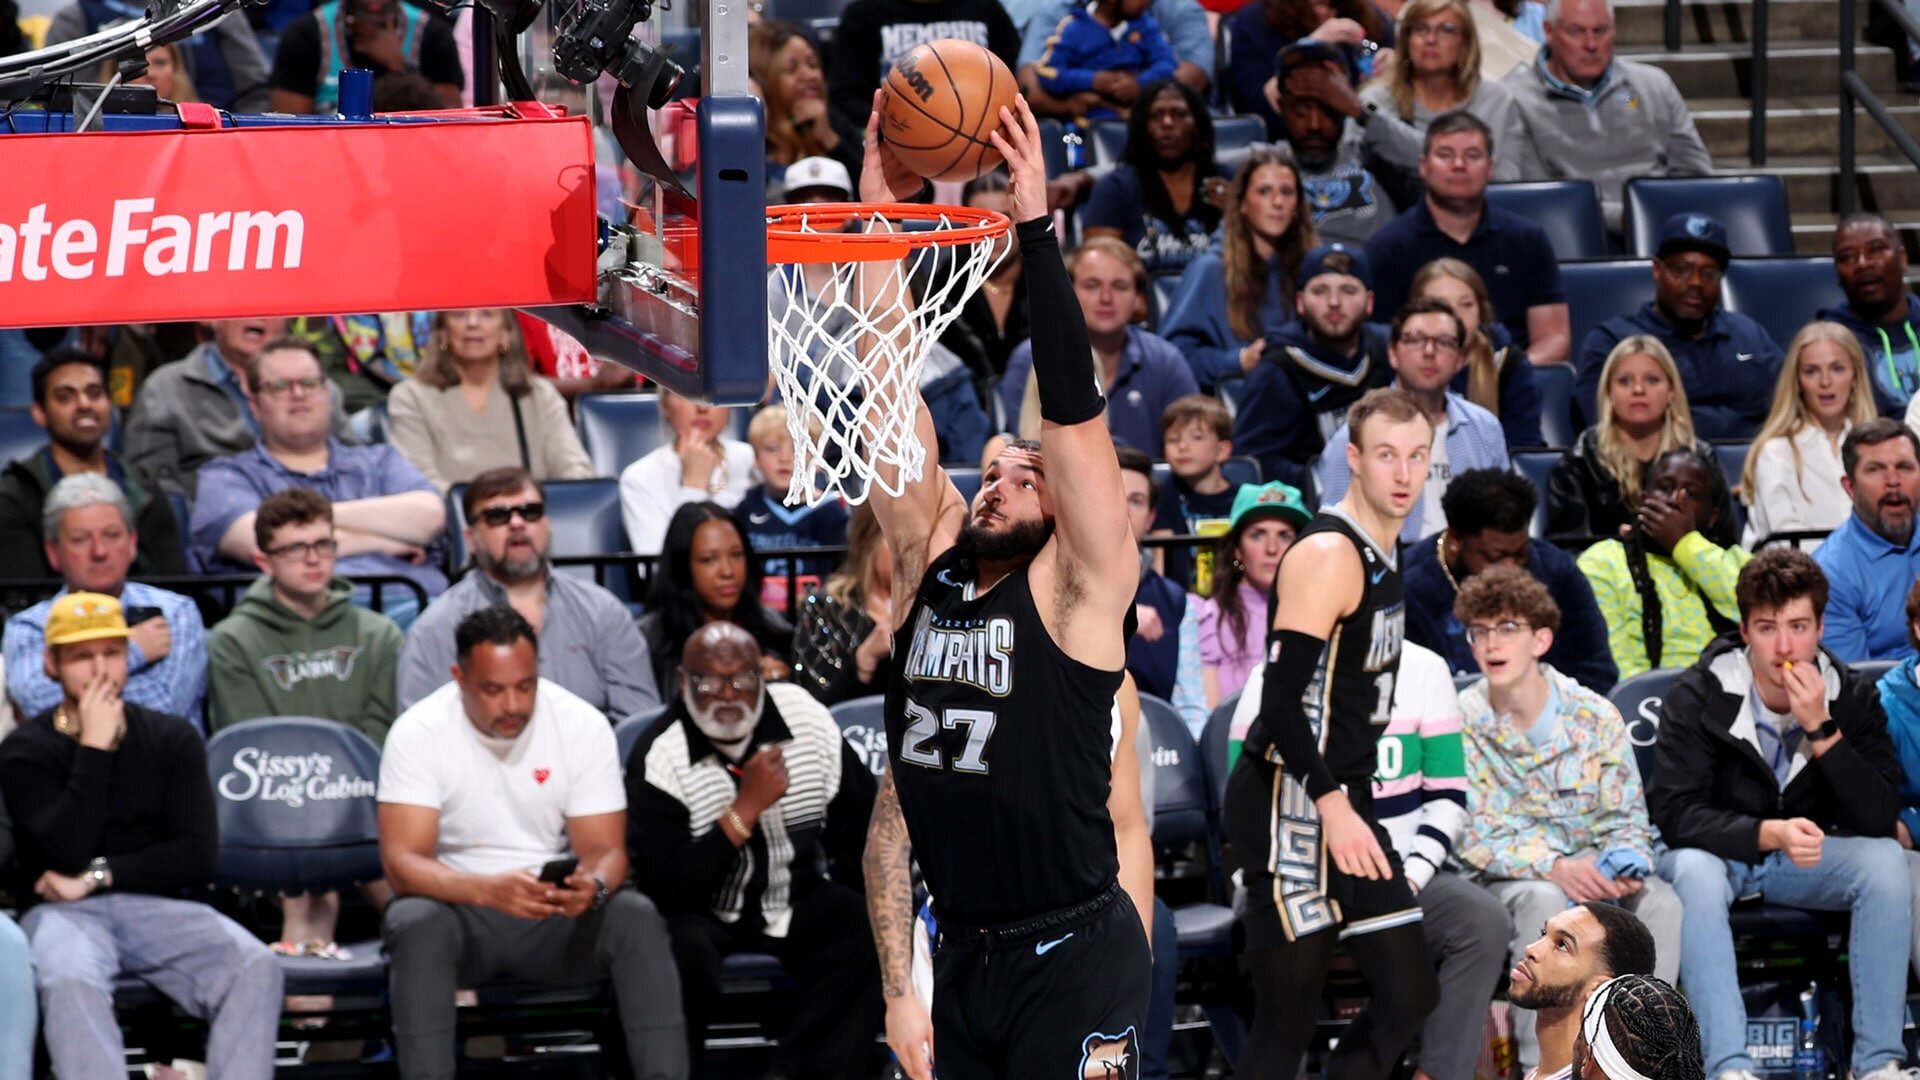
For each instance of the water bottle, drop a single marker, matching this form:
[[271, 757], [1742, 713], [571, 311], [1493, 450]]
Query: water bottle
[[1806, 1054]]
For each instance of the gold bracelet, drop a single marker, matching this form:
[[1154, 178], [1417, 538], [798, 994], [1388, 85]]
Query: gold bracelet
[[732, 817]]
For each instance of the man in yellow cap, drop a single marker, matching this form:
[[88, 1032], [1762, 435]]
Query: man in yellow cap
[[114, 819]]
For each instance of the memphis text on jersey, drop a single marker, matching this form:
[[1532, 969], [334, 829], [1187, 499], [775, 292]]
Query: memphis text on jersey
[[971, 652]]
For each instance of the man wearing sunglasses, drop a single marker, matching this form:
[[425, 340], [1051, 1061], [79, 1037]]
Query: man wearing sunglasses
[[1727, 361], [589, 643], [386, 513], [735, 804], [1558, 815], [1428, 350]]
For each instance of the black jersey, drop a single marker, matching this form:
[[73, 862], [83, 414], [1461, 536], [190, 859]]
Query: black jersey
[[1350, 698], [1000, 745]]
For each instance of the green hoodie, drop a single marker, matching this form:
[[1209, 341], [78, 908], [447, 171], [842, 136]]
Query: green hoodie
[[268, 661]]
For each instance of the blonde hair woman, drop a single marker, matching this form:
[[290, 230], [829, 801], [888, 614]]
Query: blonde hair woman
[[166, 73], [1595, 489], [474, 404], [1436, 70], [1792, 479], [1498, 376]]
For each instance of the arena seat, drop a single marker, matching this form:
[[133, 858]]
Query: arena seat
[[1874, 669], [1230, 391], [1567, 210], [618, 429], [19, 435], [1556, 404], [966, 479], [1053, 147], [1213, 750], [1753, 208], [1781, 294], [1107, 142], [1233, 140], [1535, 465], [326, 836], [1732, 456], [628, 733], [1598, 291], [863, 722], [1182, 818], [586, 521]]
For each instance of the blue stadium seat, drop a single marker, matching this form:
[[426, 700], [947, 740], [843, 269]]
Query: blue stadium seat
[[966, 479], [1213, 750], [19, 435], [329, 838], [628, 733], [586, 521], [618, 429], [863, 721], [1464, 680], [1732, 455], [1753, 208], [1535, 465], [1556, 403], [1053, 147], [1874, 669], [1233, 139], [1241, 470], [1181, 818], [1781, 294], [1109, 142], [1597, 291], [1230, 391], [1165, 284], [1568, 210]]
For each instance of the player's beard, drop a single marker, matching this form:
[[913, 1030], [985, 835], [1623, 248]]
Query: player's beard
[[1020, 540], [1540, 996]]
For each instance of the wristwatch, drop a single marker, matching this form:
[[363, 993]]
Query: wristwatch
[[1827, 730], [98, 875], [600, 893]]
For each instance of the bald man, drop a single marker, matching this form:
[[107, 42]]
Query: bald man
[[734, 797]]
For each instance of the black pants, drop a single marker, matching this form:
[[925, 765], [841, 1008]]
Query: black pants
[[1060, 997], [828, 950], [435, 948]]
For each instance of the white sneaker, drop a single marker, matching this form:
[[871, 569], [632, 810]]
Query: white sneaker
[[1892, 1070]]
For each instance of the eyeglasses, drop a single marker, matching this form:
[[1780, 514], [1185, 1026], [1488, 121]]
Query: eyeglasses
[[1707, 273], [497, 516], [1480, 633], [712, 685], [282, 387], [1445, 346], [325, 548], [1441, 29]]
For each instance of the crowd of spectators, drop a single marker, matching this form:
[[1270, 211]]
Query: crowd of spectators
[[1358, 250]]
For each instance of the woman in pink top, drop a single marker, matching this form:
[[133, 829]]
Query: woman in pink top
[[1233, 619]]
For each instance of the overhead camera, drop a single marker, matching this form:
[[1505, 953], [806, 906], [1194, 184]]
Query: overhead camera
[[592, 36]]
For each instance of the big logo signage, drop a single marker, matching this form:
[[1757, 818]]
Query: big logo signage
[[293, 780]]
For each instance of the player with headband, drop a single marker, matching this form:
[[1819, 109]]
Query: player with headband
[[1637, 1027]]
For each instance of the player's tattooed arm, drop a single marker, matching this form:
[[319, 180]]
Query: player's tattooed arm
[[887, 865]]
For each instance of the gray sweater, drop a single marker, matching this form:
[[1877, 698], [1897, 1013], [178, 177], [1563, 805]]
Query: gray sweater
[[1399, 142], [1635, 123]]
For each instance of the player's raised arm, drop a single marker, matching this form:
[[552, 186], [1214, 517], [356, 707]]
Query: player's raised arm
[[1090, 510], [928, 511]]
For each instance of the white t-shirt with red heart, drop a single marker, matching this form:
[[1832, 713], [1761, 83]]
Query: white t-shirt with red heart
[[503, 803]]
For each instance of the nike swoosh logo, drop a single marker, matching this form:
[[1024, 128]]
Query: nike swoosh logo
[[1378, 574], [759, 519], [1045, 947], [1318, 394], [1743, 357]]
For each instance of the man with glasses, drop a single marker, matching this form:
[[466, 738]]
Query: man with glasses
[[591, 644], [1557, 815], [1512, 254], [1426, 354], [70, 400], [746, 816], [1727, 361], [386, 513]]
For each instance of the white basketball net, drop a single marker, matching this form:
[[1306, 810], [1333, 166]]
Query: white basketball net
[[847, 343]]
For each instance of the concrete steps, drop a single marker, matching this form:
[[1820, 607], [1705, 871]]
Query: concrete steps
[[1643, 22], [1797, 125]]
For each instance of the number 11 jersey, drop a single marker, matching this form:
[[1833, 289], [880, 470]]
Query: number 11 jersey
[[1001, 749]]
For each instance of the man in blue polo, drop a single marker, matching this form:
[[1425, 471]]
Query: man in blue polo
[[1727, 361], [1512, 255], [1871, 560]]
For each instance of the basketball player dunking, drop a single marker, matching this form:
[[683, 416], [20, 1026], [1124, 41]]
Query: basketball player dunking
[[1301, 791], [1003, 774]]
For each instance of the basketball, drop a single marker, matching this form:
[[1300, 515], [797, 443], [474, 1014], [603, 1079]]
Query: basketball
[[943, 99]]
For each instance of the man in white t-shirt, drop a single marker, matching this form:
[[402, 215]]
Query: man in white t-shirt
[[483, 783]]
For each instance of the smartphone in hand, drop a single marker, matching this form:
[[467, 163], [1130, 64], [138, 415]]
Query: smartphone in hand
[[557, 871]]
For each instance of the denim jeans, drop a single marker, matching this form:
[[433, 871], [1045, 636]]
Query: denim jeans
[[19, 1008], [204, 961], [1864, 876]]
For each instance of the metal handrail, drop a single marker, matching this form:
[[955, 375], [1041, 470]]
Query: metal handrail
[[1757, 113], [1854, 91]]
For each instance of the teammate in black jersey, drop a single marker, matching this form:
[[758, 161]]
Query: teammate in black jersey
[[1301, 793], [1005, 775]]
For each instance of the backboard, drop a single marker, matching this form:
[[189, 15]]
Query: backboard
[[683, 296]]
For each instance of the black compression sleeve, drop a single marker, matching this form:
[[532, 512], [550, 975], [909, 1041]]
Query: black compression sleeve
[[1062, 355], [1283, 716]]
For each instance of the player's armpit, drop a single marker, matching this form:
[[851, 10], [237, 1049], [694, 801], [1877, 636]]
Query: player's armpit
[[887, 866]]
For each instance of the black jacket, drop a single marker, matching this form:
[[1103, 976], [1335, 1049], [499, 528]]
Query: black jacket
[[1583, 498], [1711, 789]]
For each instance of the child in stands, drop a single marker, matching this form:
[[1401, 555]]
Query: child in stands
[[1197, 436], [771, 522]]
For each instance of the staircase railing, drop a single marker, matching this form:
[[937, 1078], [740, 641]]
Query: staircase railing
[[1854, 91], [1757, 115]]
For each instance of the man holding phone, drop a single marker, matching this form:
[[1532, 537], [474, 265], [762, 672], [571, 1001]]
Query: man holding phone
[[502, 831]]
